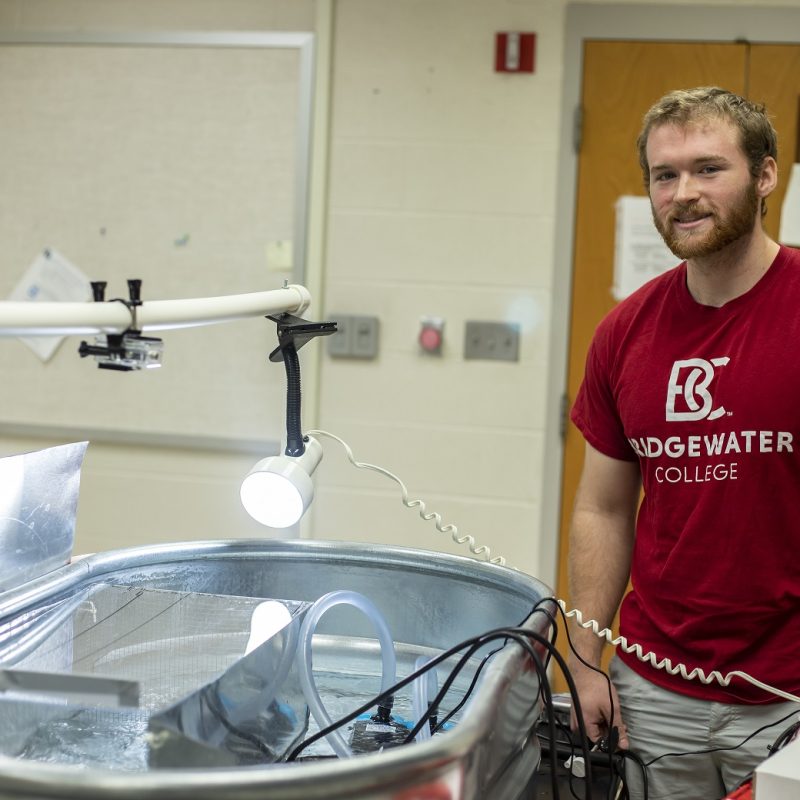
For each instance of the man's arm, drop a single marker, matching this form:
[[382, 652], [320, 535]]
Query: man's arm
[[601, 544]]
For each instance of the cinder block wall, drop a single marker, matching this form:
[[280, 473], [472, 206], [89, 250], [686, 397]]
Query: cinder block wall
[[441, 204]]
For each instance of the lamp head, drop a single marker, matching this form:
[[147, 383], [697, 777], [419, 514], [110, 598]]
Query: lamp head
[[278, 489]]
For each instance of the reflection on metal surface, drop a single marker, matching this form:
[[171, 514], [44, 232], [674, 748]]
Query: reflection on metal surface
[[205, 701], [82, 690], [254, 713], [38, 505]]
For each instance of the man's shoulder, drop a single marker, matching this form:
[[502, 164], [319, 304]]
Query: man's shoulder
[[655, 292], [791, 254]]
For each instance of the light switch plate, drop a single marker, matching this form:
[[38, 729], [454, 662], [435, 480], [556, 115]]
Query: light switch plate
[[357, 336], [494, 341]]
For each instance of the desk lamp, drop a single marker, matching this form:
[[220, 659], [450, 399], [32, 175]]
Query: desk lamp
[[278, 489]]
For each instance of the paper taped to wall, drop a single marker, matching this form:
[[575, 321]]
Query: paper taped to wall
[[639, 251], [790, 212], [50, 277]]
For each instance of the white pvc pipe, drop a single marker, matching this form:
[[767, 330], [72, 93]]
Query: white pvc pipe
[[64, 319]]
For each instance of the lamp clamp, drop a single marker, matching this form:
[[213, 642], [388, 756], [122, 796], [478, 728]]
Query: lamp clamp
[[295, 332]]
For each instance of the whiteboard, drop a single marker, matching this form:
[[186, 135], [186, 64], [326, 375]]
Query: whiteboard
[[177, 159]]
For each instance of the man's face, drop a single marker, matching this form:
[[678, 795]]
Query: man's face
[[701, 191]]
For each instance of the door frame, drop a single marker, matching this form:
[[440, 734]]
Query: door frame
[[733, 23]]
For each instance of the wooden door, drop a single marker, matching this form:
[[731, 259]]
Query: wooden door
[[774, 79], [621, 80]]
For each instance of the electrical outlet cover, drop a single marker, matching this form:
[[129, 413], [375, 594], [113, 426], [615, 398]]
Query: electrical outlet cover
[[493, 341]]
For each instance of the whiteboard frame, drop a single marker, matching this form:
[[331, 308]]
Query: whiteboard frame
[[302, 41]]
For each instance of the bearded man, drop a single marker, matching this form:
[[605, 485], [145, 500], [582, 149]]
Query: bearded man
[[692, 394]]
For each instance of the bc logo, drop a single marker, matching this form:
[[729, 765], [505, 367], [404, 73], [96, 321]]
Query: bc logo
[[690, 379]]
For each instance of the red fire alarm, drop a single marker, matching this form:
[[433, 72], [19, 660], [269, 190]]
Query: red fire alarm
[[514, 52]]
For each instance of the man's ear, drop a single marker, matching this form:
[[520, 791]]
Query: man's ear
[[768, 177]]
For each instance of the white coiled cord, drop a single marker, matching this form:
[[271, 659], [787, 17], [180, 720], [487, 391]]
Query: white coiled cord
[[466, 539], [604, 633], [665, 663]]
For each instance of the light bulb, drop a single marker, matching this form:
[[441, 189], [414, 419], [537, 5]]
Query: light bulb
[[279, 489]]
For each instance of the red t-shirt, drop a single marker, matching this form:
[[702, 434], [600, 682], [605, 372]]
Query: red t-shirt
[[707, 400]]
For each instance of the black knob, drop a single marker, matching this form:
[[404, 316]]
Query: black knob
[[135, 291], [99, 291]]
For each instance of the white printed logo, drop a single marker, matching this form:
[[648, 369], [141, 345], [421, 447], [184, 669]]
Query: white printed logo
[[690, 379]]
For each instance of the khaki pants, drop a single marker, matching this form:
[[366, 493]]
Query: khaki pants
[[660, 721]]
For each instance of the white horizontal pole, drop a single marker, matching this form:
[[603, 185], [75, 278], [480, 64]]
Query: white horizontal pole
[[65, 319]]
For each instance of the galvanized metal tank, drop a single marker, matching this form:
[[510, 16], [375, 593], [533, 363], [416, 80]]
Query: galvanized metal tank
[[430, 601]]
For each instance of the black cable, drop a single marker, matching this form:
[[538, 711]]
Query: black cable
[[469, 691], [566, 749], [486, 658], [553, 623], [520, 635], [477, 674], [372, 702], [723, 749], [515, 633], [216, 708], [576, 700], [627, 754], [784, 738], [554, 753], [612, 734], [460, 665], [474, 643], [619, 771], [590, 666], [553, 628], [536, 610], [544, 686]]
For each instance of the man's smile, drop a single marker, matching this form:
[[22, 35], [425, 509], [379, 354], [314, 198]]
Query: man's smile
[[689, 220]]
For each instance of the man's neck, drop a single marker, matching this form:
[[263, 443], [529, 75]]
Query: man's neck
[[718, 278]]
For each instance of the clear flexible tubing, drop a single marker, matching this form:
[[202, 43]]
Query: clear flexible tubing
[[465, 539], [424, 689], [604, 633], [305, 666]]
